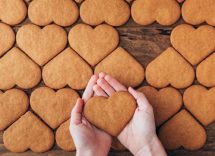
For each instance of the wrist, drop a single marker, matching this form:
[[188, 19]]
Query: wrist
[[90, 152]]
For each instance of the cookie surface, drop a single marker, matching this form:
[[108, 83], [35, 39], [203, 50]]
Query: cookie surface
[[165, 102], [28, 133], [53, 107], [182, 130], [41, 44], [17, 69], [93, 44], [44, 12], [95, 12], [110, 114], [165, 12], [122, 66], [193, 44], [13, 104], [67, 69], [169, 68]]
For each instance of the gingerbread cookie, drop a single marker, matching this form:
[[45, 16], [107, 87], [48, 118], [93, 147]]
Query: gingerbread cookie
[[7, 38], [17, 69], [201, 103], [169, 68], [12, 12], [198, 11], [165, 12], [116, 145], [95, 12], [44, 12], [28, 133], [182, 130], [93, 44], [67, 69], [205, 71], [110, 114], [165, 102], [193, 44], [122, 66], [53, 107], [41, 44], [13, 104]]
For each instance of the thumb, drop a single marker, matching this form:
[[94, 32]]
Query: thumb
[[76, 115]]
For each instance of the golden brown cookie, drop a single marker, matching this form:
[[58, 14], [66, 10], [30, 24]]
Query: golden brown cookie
[[7, 38], [110, 114], [182, 130], [17, 69], [44, 12], [193, 44], [12, 12], [93, 44], [169, 68], [116, 145], [67, 69], [198, 11], [63, 137], [165, 12], [113, 12], [201, 103], [165, 102], [41, 44], [13, 104], [53, 107], [28, 133], [123, 67], [205, 71]]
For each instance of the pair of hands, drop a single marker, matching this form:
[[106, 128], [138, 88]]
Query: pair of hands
[[139, 136]]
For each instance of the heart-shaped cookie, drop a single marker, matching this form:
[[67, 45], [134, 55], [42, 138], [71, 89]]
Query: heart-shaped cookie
[[105, 40], [165, 102], [193, 44], [41, 44], [122, 66], [95, 12], [182, 130], [17, 69], [170, 68], [201, 103], [165, 12], [7, 38], [13, 104], [53, 107], [68, 68], [28, 133], [112, 114], [44, 12]]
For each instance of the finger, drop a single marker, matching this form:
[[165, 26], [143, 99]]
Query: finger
[[105, 86], [115, 84], [102, 75], [76, 115], [99, 91], [180, 1]]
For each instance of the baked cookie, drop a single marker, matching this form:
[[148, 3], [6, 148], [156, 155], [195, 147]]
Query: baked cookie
[[53, 107], [7, 38], [110, 114], [28, 133], [193, 44], [44, 12], [165, 12], [182, 130], [122, 66], [165, 102], [116, 145], [95, 12], [13, 104], [67, 69], [17, 69], [196, 12], [12, 12], [93, 44], [169, 68], [205, 71], [201, 103], [41, 44]]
